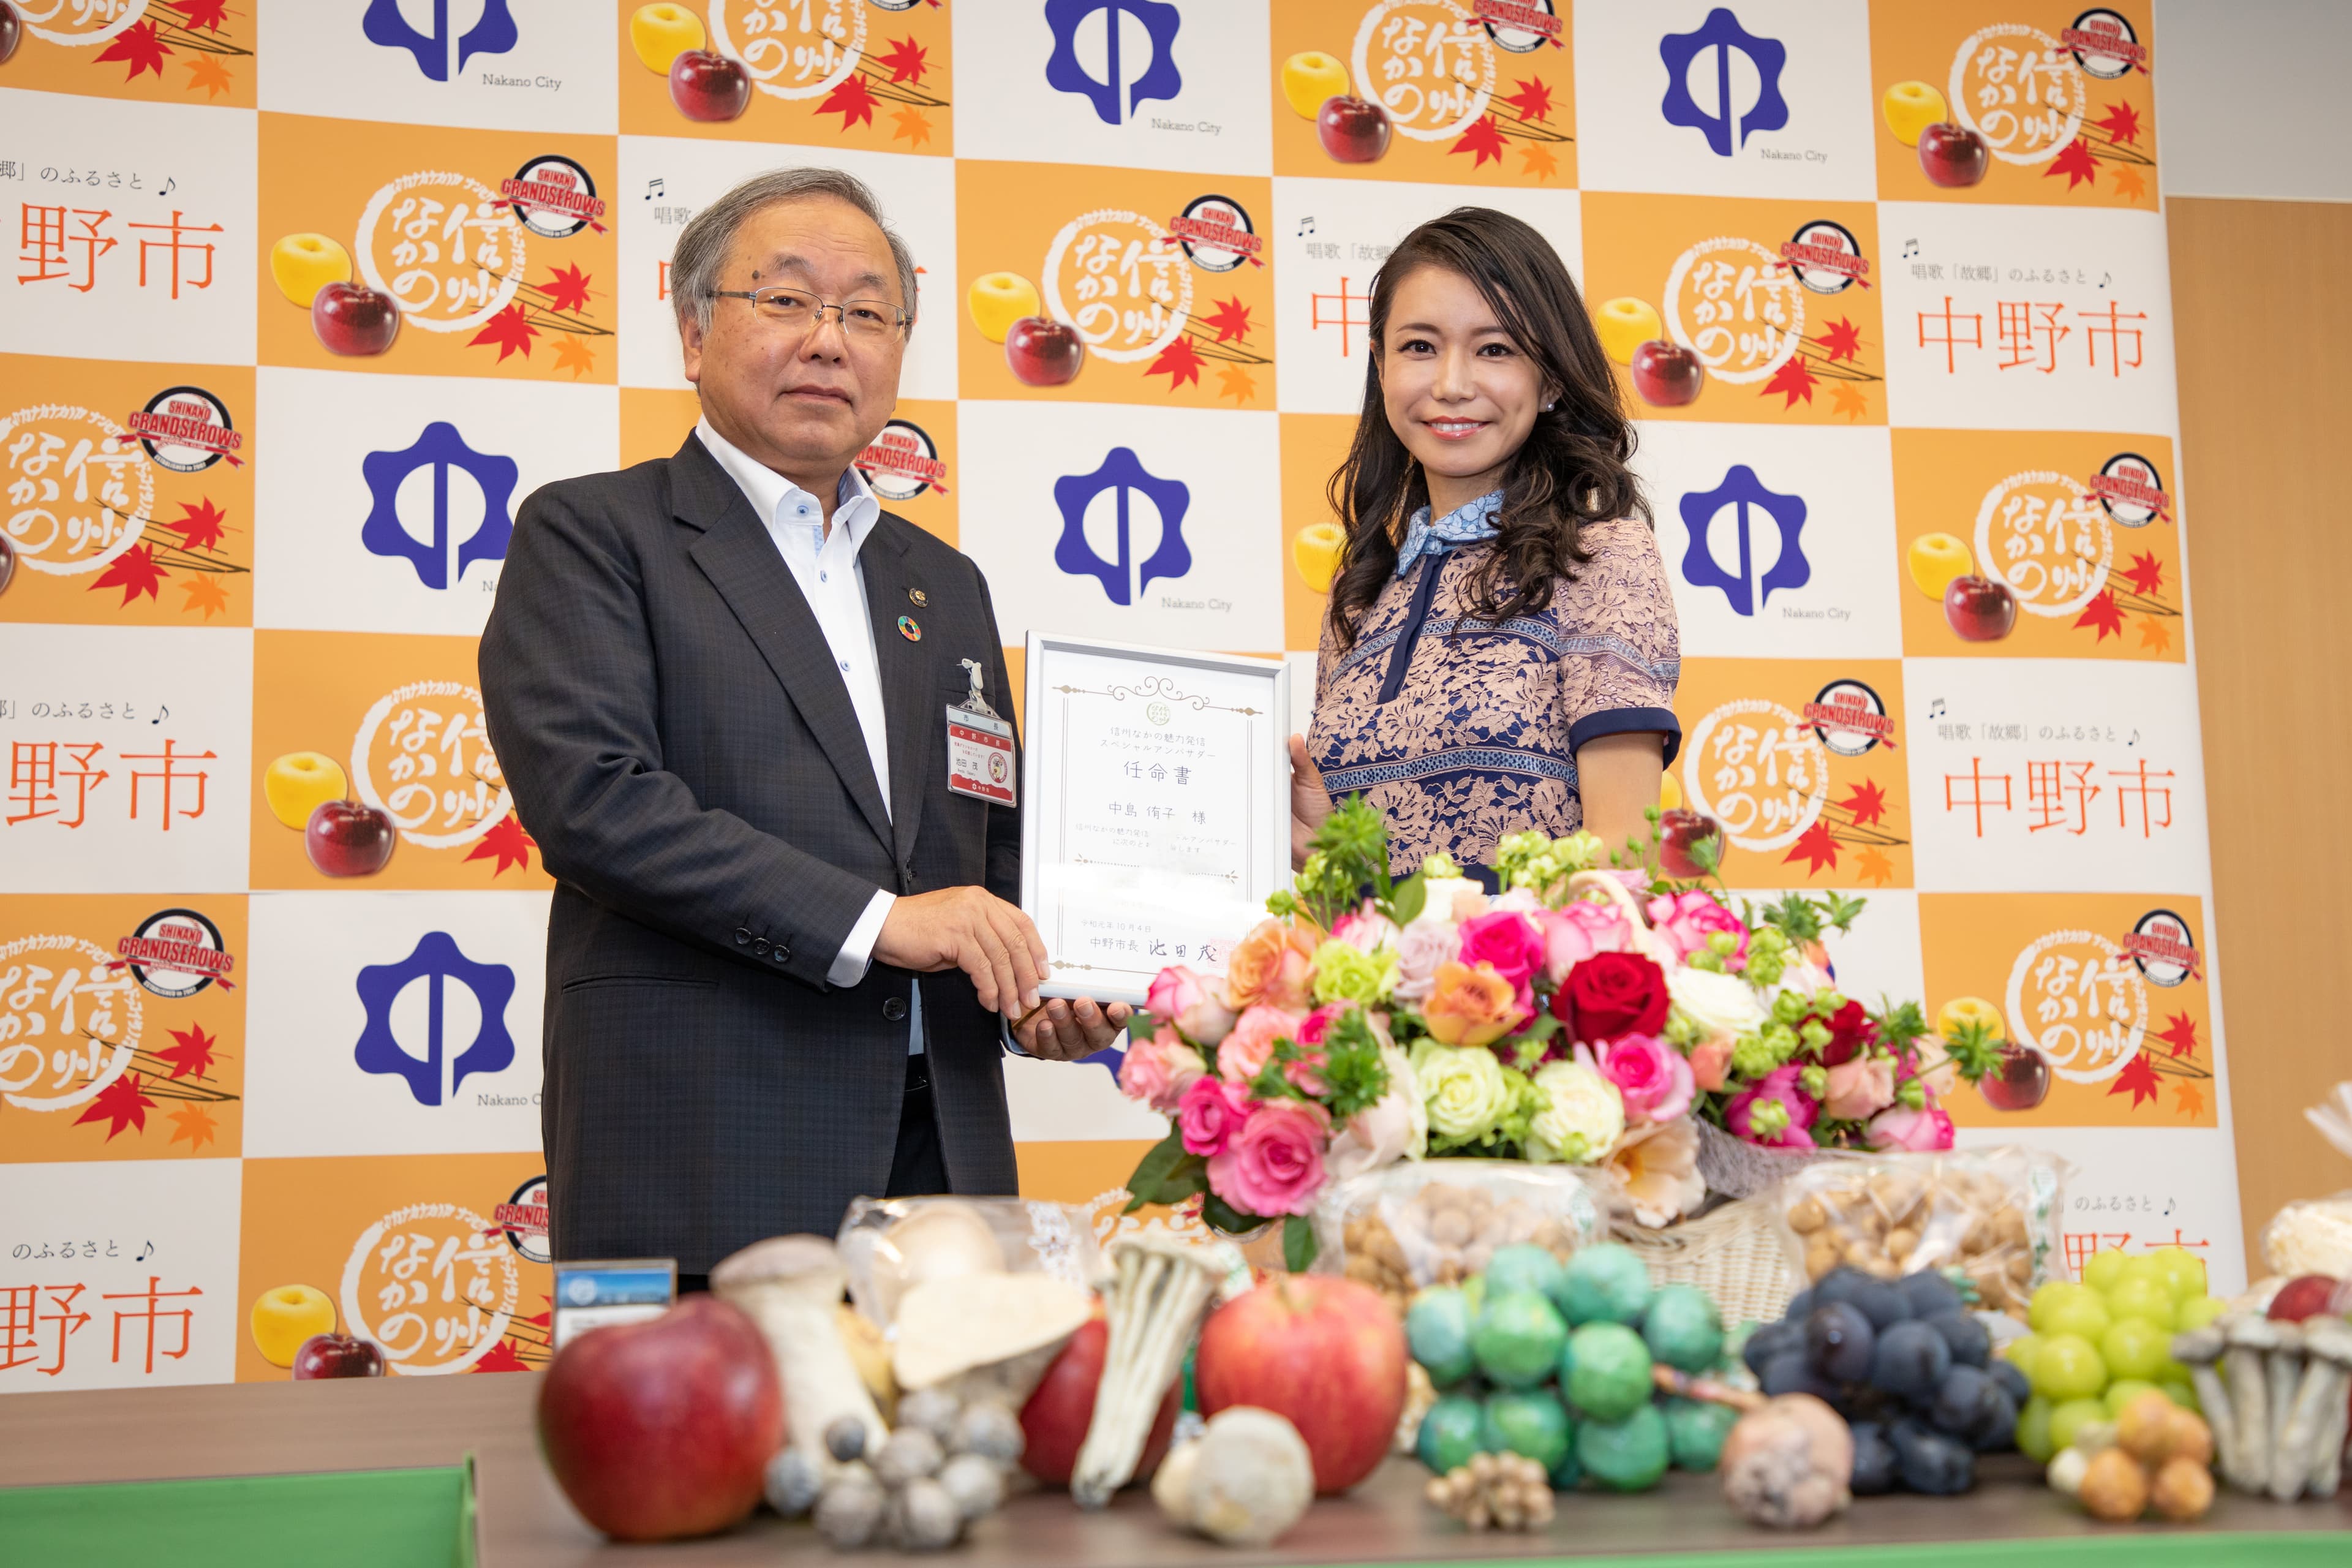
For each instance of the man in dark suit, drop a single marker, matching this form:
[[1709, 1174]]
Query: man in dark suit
[[718, 685]]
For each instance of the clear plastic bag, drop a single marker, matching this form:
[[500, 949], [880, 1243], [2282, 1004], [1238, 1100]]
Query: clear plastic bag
[[1437, 1222], [2314, 1235], [888, 1245], [1988, 1216]]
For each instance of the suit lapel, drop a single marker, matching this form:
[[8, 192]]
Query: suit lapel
[[914, 719], [740, 560]]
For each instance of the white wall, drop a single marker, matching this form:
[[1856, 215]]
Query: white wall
[[2248, 95]]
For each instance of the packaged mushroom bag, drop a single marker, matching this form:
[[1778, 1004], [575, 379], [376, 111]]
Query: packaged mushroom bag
[[1436, 1222], [889, 1246], [1988, 1216], [2314, 1235]]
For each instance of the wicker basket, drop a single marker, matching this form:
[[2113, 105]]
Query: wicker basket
[[1733, 1253]]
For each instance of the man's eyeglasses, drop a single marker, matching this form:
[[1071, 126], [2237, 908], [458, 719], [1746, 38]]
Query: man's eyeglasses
[[797, 310]]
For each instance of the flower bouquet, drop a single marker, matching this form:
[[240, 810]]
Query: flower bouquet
[[1597, 1011]]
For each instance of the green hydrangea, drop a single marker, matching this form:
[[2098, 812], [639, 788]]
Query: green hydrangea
[[1752, 1055], [1346, 974]]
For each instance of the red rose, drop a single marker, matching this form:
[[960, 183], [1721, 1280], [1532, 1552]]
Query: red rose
[[1612, 994], [1850, 1030]]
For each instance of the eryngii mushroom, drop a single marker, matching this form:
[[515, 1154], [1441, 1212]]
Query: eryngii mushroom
[[949, 1327], [790, 1286], [2199, 1349], [2311, 1438], [2251, 1338], [1154, 1304]]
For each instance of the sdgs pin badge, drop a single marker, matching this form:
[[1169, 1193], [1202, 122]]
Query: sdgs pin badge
[[979, 746]]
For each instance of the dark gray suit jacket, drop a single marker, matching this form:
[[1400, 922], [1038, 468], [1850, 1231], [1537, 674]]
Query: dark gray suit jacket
[[680, 743]]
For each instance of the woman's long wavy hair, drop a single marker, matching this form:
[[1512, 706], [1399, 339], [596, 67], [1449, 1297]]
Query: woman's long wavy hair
[[1573, 468]]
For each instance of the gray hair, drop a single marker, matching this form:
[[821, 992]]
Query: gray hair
[[702, 249]]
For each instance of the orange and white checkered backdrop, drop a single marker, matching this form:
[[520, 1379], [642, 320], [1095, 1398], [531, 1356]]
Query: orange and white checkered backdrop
[[222, 1071]]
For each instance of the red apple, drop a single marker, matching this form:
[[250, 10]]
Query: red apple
[[2020, 1080], [1979, 609], [1352, 130], [12, 28], [1326, 1354], [337, 1355], [1682, 834], [707, 86], [344, 838], [1667, 374], [354, 319], [1041, 352], [1055, 1419], [1953, 156], [660, 1430], [2305, 1296], [7, 563]]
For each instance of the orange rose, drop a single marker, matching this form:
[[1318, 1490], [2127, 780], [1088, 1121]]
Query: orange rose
[[1469, 1006], [1272, 965]]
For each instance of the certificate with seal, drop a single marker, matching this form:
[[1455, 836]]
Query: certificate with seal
[[1157, 812]]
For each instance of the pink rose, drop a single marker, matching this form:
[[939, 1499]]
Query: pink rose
[[1860, 1087], [1923, 1132], [1575, 933], [1774, 1113], [1312, 1028], [1243, 1054], [1710, 1060], [1181, 997], [1274, 1165], [1160, 1069], [1687, 920], [1367, 931], [1652, 1077], [1211, 1112], [1505, 939], [1423, 948]]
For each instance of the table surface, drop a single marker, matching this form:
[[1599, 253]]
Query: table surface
[[262, 1428]]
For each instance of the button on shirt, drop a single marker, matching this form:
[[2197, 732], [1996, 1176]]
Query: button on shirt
[[824, 563]]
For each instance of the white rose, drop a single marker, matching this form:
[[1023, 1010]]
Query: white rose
[[1583, 1122], [1724, 1006]]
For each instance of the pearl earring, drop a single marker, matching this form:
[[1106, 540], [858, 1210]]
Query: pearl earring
[[1548, 407]]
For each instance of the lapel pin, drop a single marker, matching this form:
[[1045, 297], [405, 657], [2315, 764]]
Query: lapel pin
[[909, 629], [918, 595]]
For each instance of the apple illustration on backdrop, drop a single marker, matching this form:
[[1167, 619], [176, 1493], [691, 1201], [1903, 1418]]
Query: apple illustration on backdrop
[[660, 33], [344, 838], [706, 85], [997, 300], [1690, 843], [2020, 1080], [1315, 550], [287, 1317], [1935, 559], [7, 563], [1041, 352], [303, 264], [337, 1355], [12, 28], [1624, 324], [1312, 79], [354, 319], [299, 783], [1979, 609], [1666, 374], [1911, 107], [1352, 130], [1953, 156]]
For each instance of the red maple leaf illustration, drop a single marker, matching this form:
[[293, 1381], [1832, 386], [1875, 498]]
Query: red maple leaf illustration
[[1843, 338], [1231, 320], [1793, 378], [1533, 100], [194, 1054], [1178, 363], [509, 842], [120, 1104], [142, 47], [2121, 123], [2140, 1077], [2146, 574], [2105, 614], [567, 289], [502, 1357], [508, 331], [905, 61], [1484, 139], [203, 14], [1815, 847], [2179, 1032], [199, 526], [853, 101], [1868, 804], [134, 572], [2074, 161]]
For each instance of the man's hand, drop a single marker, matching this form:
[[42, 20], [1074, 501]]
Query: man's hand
[[1065, 1031], [1310, 803], [973, 929]]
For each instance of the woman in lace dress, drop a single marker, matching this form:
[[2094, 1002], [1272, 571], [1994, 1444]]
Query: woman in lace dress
[[1500, 650]]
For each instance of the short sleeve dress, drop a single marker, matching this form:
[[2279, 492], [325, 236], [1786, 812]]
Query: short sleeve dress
[[1461, 731]]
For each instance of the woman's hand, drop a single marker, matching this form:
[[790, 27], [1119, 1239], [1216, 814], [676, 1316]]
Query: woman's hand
[[1617, 776], [1310, 803]]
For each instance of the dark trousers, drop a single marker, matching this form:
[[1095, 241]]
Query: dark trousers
[[918, 1168]]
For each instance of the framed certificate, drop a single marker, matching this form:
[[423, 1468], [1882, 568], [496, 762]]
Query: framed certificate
[[1158, 814]]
